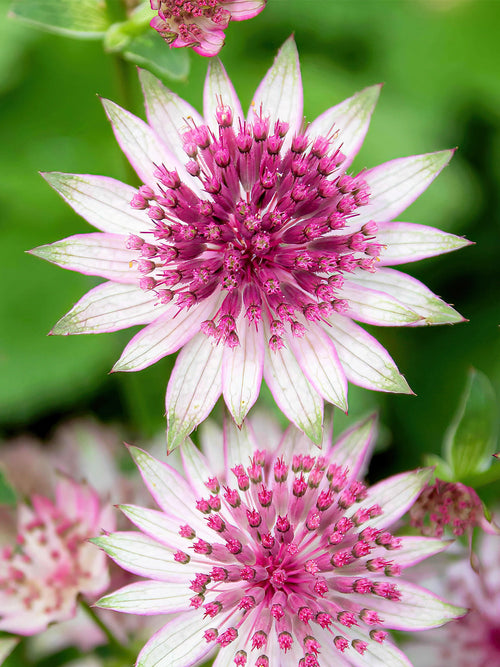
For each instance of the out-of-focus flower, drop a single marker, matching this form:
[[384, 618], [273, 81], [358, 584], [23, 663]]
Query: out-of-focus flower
[[200, 23], [282, 557], [449, 504], [251, 247], [475, 638], [53, 561]]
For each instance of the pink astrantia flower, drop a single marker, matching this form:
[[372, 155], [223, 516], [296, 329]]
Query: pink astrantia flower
[[283, 556], [250, 247], [200, 23], [475, 638], [449, 504], [53, 561]]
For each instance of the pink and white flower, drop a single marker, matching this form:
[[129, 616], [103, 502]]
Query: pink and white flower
[[250, 247], [475, 638], [200, 24], [53, 562], [283, 556]]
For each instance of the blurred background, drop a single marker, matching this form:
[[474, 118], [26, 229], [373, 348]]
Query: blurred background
[[440, 62]]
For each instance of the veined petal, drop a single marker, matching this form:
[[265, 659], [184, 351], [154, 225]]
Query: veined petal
[[193, 388], [411, 293], [376, 307], [170, 331], [350, 119], [196, 466], [239, 444], [365, 362], [140, 554], [219, 89], [102, 201], [415, 549], [142, 146], [147, 598], [170, 117], [244, 9], [109, 307], [396, 184], [279, 95], [318, 360], [156, 525], [418, 609], [180, 642], [7, 645], [354, 448], [395, 495], [408, 242], [95, 254], [293, 392], [242, 368], [375, 655], [169, 490]]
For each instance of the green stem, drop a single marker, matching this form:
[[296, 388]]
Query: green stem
[[113, 642]]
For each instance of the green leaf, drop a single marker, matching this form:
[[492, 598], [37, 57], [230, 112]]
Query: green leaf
[[84, 19], [148, 50], [470, 441], [7, 493]]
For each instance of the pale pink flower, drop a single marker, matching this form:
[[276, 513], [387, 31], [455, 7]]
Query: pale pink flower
[[251, 248], [53, 562], [283, 557], [200, 23], [474, 640]]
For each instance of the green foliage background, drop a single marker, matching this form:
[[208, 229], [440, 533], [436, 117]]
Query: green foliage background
[[440, 62]]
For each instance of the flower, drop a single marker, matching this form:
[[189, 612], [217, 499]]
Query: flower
[[250, 247], [449, 504], [200, 23], [475, 638], [53, 561], [282, 553]]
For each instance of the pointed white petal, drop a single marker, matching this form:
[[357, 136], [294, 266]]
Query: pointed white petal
[[7, 645], [396, 184], [396, 495], [170, 117], [280, 92], [102, 201], [142, 146], [414, 549], [94, 254], [418, 608], [239, 444], [109, 307], [193, 388], [354, 448], [244, 9], [411, 293], [196, 466], [293, 392], [408, 242], [317, 357], [211, 440], [148, 598], [169, 489], [242, 368], [365, 362], [157, 525], [170, 331], [180, 642], [140, 554], [375, 307], [350, 119], [218, 88]]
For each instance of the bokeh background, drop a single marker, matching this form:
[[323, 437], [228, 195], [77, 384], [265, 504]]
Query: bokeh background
[[440, 62]]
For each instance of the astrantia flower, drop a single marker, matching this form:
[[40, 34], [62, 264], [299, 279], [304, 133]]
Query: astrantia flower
[[200, 23], [251, 247], [283, 558], [53, 561], [473, 640]]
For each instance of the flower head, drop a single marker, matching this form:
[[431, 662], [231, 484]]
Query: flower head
[[250, 246], [200, 23], [281, 554], [53, 561], [475, 638]]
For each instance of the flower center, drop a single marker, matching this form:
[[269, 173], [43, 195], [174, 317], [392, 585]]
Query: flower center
[[272, 235], [294, 551]]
